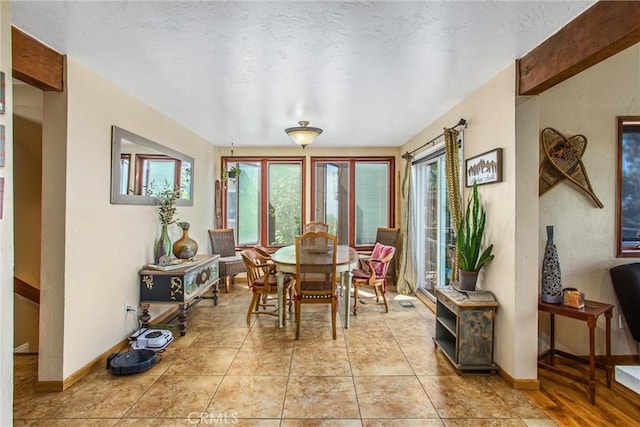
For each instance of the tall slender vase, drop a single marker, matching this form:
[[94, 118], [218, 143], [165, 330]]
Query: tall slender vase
[[163, 247], [551, 282]]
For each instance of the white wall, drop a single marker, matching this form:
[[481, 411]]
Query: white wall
[[588, 104], [491, 115], [6, 228], [105, 245]]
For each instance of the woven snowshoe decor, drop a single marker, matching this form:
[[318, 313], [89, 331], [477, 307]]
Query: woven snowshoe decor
[[563, 160]]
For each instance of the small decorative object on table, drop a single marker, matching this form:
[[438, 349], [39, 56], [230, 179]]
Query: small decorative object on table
[[572, 297], [551, 282], [166, 200], [185, 247]]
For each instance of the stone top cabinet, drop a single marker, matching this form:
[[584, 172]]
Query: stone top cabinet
[[464, 328]]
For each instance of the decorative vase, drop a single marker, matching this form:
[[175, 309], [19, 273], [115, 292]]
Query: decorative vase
[[163, 246], [185, 247], [551, 283], [468, 280]]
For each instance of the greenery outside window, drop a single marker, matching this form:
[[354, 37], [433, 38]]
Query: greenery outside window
[[264, 204], [354, 196]]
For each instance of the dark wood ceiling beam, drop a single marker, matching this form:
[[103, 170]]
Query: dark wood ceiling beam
[[36, 64], [606, 28]]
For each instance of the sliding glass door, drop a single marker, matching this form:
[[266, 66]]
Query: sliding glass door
[[435, 234]]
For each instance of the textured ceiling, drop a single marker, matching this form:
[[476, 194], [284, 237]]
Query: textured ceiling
[[368, 73]]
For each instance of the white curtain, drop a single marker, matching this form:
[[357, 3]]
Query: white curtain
[[407, 271]]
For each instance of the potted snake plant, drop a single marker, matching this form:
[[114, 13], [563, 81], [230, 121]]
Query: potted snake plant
[[469, 242]]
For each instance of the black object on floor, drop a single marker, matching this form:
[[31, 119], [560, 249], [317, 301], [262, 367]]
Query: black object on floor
[[131, 362]]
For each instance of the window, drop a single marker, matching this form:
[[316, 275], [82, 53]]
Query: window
[[264, 204], [354, 197], [159, 172], [435, 235]]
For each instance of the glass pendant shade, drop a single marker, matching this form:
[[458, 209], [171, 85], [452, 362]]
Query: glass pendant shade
[[303, 135]]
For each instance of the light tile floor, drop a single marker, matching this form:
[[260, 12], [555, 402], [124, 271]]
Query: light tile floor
[[383, 371]]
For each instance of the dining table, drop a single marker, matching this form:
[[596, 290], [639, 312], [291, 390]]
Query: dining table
[[285, 261]]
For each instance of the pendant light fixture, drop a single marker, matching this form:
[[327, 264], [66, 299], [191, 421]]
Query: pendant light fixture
[[303, 135]]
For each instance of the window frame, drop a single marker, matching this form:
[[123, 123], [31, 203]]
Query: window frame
[[142, 158], [228, 161], [352, 161]]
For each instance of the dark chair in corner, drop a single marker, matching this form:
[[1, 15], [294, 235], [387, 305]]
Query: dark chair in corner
[[223, 242], [626, 283]]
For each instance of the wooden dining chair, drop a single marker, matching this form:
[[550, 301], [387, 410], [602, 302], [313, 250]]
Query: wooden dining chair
[[375, 276], [315, 226], [223, 242], [315, 281], [263, 283]]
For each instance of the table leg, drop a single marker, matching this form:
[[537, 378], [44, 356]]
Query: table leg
[[607, 361], [552, 338], [280, 282], [592, 358], [346, 285], [182, 318]]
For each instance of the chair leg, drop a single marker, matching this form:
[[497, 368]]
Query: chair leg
[[297, 319], [227, 283], [375, 288], [290, 303], [384, 298], [252, 306], [334, 303]]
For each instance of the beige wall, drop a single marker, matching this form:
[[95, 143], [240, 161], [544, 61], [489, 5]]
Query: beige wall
[[588, 104], [491, 115], [104, 245], [27, 198], [6, 229]]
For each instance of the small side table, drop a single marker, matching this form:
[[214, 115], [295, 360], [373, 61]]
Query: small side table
[[589, 313]]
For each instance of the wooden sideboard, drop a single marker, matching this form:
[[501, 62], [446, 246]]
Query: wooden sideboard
[[464, 328], [181, 285]]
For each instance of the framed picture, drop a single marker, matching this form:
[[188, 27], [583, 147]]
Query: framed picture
[[2, 93], [484, 168]]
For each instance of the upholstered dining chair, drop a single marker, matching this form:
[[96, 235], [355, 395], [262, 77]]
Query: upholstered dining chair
[[375, 276], [315, 281], [262, 282], [223, 242], [388, 237]]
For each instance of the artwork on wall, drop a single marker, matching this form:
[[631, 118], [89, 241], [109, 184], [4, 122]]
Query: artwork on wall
[[2, 145], [2, 93], [563, 160], [484, 168]]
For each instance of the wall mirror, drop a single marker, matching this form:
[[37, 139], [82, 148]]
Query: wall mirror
[[141, 168], [628, 188]]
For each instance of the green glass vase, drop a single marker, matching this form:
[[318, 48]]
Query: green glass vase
[[163, 246]]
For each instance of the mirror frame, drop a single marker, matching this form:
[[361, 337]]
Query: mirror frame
[[119, 134], [621, 250]]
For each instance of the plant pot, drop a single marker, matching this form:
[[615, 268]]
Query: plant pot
[[468, 280]]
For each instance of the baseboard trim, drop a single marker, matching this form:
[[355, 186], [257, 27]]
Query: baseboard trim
[[101, 360], [524, 384], [77, 375]]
